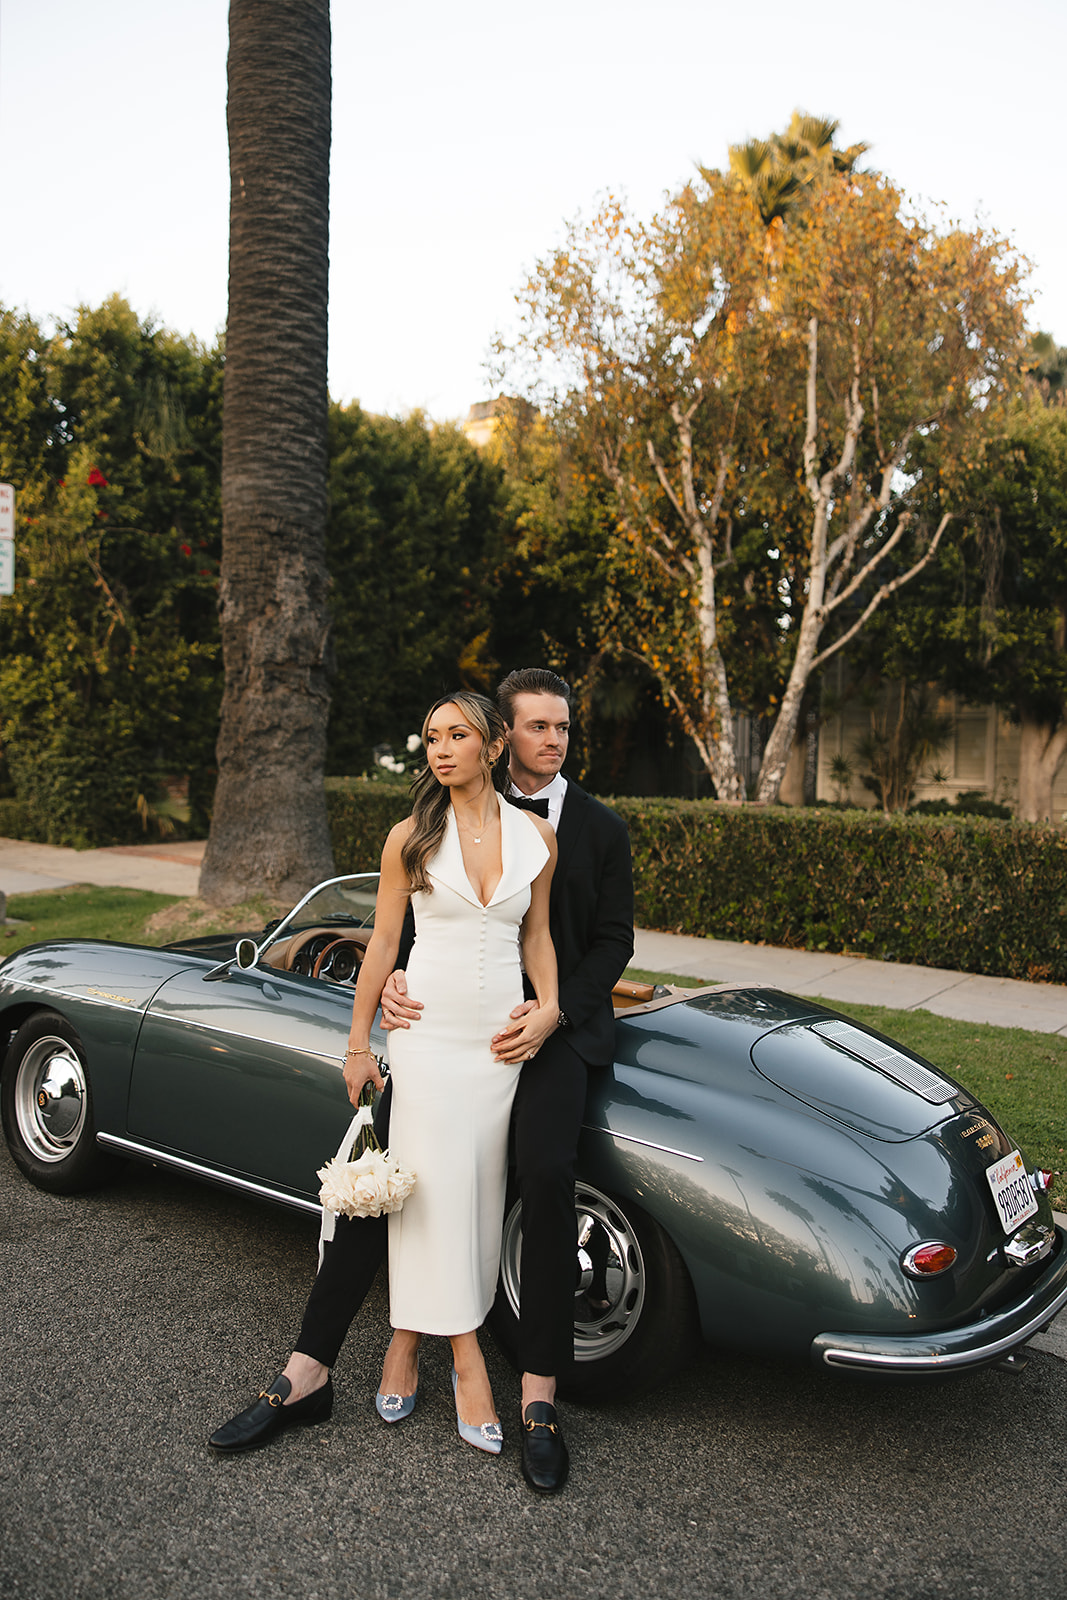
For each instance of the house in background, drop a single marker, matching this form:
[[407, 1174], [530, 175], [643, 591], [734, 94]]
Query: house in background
[[980, 754], [482, 422]]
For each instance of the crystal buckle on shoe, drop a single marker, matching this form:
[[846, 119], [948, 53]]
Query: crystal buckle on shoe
[[392, 1402], [492, 1432]]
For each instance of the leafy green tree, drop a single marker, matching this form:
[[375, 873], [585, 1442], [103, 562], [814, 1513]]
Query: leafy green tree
[[990, 620], [108, 648], [1045, 365], [417, 520]]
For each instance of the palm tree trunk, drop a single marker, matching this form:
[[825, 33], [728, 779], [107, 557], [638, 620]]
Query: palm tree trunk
[[269, 830]]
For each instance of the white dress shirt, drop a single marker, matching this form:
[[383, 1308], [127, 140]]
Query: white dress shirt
[[554, 792]]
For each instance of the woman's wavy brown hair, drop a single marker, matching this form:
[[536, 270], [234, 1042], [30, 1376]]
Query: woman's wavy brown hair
[[431, 799]]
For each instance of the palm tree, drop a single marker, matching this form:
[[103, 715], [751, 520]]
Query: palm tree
[[782, 171], [269, 830]]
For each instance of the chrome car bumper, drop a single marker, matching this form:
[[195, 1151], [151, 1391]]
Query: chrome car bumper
[[976, 1345]]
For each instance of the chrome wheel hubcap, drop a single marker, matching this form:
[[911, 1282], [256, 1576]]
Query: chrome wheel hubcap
[[50, 1099], [610, 1275]]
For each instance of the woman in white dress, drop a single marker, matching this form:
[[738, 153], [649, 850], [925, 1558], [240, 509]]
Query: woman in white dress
[[477, 873]]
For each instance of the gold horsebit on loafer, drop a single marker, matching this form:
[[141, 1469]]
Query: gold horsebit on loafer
[[530, 1425], [271, 1399]]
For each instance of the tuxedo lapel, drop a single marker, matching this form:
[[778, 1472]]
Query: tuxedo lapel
[[572, 820]]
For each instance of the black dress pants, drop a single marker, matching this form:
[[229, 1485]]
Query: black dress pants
[[547, 1121]]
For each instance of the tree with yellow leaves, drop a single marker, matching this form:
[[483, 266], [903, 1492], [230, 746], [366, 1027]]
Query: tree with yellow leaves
[[755, 392]]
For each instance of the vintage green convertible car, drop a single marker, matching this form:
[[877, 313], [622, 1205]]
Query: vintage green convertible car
[[753, 1168]]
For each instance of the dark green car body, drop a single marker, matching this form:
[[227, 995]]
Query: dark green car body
[[753, 1167]]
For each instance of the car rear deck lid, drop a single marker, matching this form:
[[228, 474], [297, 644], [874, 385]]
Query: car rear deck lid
[[888, 1059], [849, 1074]]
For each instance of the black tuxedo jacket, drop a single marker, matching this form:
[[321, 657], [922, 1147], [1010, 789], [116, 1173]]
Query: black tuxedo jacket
[[591, 916], [591, 919]]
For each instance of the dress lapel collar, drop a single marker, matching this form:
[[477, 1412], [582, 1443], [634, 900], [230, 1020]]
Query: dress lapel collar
[[523, 854]]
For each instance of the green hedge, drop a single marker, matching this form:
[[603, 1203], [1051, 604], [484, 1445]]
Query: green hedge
[[972, 895], [361, 814], [969, 894], [14, 820]]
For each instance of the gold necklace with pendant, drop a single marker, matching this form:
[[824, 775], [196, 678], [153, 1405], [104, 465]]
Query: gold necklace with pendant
[[476, 837]]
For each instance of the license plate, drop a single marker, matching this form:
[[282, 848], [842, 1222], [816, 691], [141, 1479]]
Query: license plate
[[1012, 1192]]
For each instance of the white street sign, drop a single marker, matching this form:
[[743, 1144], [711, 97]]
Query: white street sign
[[7, 511], [7, 566]]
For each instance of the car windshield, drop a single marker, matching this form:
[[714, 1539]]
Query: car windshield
[[340, 902]]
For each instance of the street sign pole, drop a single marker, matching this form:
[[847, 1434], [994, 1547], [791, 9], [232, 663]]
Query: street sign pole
[[7, 538]]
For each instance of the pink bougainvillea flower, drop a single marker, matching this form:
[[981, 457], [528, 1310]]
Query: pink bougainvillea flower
[[97, 479]]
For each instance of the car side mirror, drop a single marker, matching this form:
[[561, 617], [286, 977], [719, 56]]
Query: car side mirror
[[246, 954]]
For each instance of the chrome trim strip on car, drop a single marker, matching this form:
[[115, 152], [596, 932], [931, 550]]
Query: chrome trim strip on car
[[893, 1062], [650, 1144], [263, 1190], [85, 996], [235, 1033], [838, 1356]]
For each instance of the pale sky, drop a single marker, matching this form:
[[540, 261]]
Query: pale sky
[[464, 136]]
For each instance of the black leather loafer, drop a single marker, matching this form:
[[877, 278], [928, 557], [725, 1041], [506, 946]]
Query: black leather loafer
[[268, 1415], [544, 1455]]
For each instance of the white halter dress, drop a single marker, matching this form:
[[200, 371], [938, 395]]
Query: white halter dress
[[451, 1101]]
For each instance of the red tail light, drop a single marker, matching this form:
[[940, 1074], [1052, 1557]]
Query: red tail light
[[927, 1260]]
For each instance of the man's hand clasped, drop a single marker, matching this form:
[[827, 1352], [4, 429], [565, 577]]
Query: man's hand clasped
[[529, 1024]]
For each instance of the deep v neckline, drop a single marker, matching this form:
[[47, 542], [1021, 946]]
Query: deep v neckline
[[485, 904]]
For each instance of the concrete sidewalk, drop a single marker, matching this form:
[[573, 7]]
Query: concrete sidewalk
[[1007, 1002], [164, 868], [1042, 1007]]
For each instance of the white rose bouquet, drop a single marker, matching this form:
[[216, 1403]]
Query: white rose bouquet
[[370, 1181]]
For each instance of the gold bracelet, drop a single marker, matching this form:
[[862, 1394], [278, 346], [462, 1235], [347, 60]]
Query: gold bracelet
[[361, 1051]]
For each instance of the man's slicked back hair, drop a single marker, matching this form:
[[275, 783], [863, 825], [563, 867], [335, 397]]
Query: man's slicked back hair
[[529, 680]]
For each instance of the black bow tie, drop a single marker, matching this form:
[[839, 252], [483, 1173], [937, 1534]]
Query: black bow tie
[[520, 800]]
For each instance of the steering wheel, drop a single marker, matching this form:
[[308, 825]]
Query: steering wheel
[[340, 961]]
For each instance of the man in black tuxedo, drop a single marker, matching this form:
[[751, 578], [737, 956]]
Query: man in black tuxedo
[[591, 918], [591, 915]]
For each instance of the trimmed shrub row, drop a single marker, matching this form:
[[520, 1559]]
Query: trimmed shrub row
[[360, 816], [15, 821], [971, 894]]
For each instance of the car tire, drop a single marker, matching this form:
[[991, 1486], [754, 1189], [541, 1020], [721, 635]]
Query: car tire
[[635, 1326], [46, 1100]]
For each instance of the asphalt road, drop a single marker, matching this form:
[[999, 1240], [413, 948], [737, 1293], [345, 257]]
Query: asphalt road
[[136, 1319]]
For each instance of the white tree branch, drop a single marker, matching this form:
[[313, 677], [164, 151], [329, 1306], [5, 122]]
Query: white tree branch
[[883, 593]]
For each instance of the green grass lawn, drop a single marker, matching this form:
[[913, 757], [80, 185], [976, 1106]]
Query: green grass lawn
[[1020, 1076], [134, 916], [81, 911]]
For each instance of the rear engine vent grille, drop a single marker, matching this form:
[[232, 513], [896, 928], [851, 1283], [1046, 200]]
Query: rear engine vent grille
[[892, 1062]]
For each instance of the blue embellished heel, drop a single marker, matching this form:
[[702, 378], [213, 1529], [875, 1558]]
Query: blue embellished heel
[[488, 1436], [395, 1407]]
